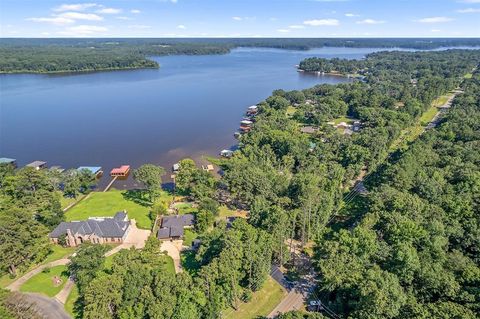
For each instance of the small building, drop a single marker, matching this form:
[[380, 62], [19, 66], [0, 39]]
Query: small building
[[252, 110], [37, 165], [96, 230], [8, 161], [343, 125], [245, 129], [208, 167], [95, 170], [246, 122], [357, 125], [172, 227], [308, 129], [121, 171], [226, 153], [176, 167]]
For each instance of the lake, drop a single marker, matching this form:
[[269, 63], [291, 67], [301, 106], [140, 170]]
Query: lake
[[190, 107]]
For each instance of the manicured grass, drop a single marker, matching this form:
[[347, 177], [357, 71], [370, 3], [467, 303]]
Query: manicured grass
[[468, 76], [57, 252], [108, 203], [185, 208], [345, 119], [70, 303], [262, 303], [42, 282], [224, 211], [189, 237], [66, 201]]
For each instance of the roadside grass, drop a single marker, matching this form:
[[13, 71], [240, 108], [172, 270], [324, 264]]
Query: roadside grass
[[429, 114], [100, 204], [57, 252], [441, 100], [42, 282], [261, 304], [71, 300]]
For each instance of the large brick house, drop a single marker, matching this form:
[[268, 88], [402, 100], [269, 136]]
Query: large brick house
[[97, 230]]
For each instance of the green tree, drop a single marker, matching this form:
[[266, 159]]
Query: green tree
[[151, 177]]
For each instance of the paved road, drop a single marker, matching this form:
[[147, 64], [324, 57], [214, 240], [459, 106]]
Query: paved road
[[67, 288], [48, 307]]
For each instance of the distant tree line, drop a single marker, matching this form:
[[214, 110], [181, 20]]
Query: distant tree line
[[79, 55]]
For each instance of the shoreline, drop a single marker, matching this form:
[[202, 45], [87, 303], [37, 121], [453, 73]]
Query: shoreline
[[80, 71]]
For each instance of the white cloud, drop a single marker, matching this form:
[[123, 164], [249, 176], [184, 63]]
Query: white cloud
[[123, 18], [53, 20], [283, 30], [370, 21], [80, 16], [237, 18], [135, 11], [181, 26], [139, 26], [109, 11], [469, 10], [435, 20], [75, 7], [470, 1], [351, 15], [322, 22], [83, 30], [296, 26]]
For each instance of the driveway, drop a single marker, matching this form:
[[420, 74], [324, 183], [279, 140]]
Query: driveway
[[47, 307], [135, 238], [173, 249], [15, 286]]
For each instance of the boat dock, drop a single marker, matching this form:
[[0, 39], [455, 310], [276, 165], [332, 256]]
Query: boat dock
[[110, 184]]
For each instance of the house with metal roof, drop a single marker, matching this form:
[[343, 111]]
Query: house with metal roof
[[172, 227], [96, 230]]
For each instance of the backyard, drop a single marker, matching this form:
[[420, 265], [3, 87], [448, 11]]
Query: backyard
[[99, 204], [44, 282]]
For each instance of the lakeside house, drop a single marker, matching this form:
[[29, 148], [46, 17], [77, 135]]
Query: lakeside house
[[96, 230], [172, 227], [176, 167], [95, 170], [252, 110], [208, 168], [37, 165], [121, 171], [8, 161], [226, 153]]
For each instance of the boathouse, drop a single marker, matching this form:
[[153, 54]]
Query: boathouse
[[8, 161], [37, 165], [95, 170], [121, 171]]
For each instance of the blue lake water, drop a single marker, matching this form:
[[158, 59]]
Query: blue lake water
[[189, 107]]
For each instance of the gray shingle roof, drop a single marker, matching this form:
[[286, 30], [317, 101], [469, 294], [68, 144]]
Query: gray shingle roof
[[172, 226], [107, 227]]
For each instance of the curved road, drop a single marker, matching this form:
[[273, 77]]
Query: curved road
[[48, 307]]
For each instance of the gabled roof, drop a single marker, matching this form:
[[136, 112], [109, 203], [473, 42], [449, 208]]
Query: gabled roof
[[6, 160], [102, 227], [172, 226], [36, 164]]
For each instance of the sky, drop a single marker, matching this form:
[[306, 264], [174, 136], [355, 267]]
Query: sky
[[240, 18]]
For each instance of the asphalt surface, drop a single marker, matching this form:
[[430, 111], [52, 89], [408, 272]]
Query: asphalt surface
[[48, 307]]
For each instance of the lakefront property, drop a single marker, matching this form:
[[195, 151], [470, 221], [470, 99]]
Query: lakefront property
[[96, 230]]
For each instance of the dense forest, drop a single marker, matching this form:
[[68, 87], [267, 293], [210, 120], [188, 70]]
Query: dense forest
[[407, 249], [76, 55], [415, 251]]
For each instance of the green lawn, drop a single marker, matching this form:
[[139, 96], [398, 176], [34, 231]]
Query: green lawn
[[441, 100], [57, 252], [185, 208], [42, 282], [468, 76], [70, 304], [66, 201], [262, 303], [100, 204], [428, 115], [189, 237], [345, 119]]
